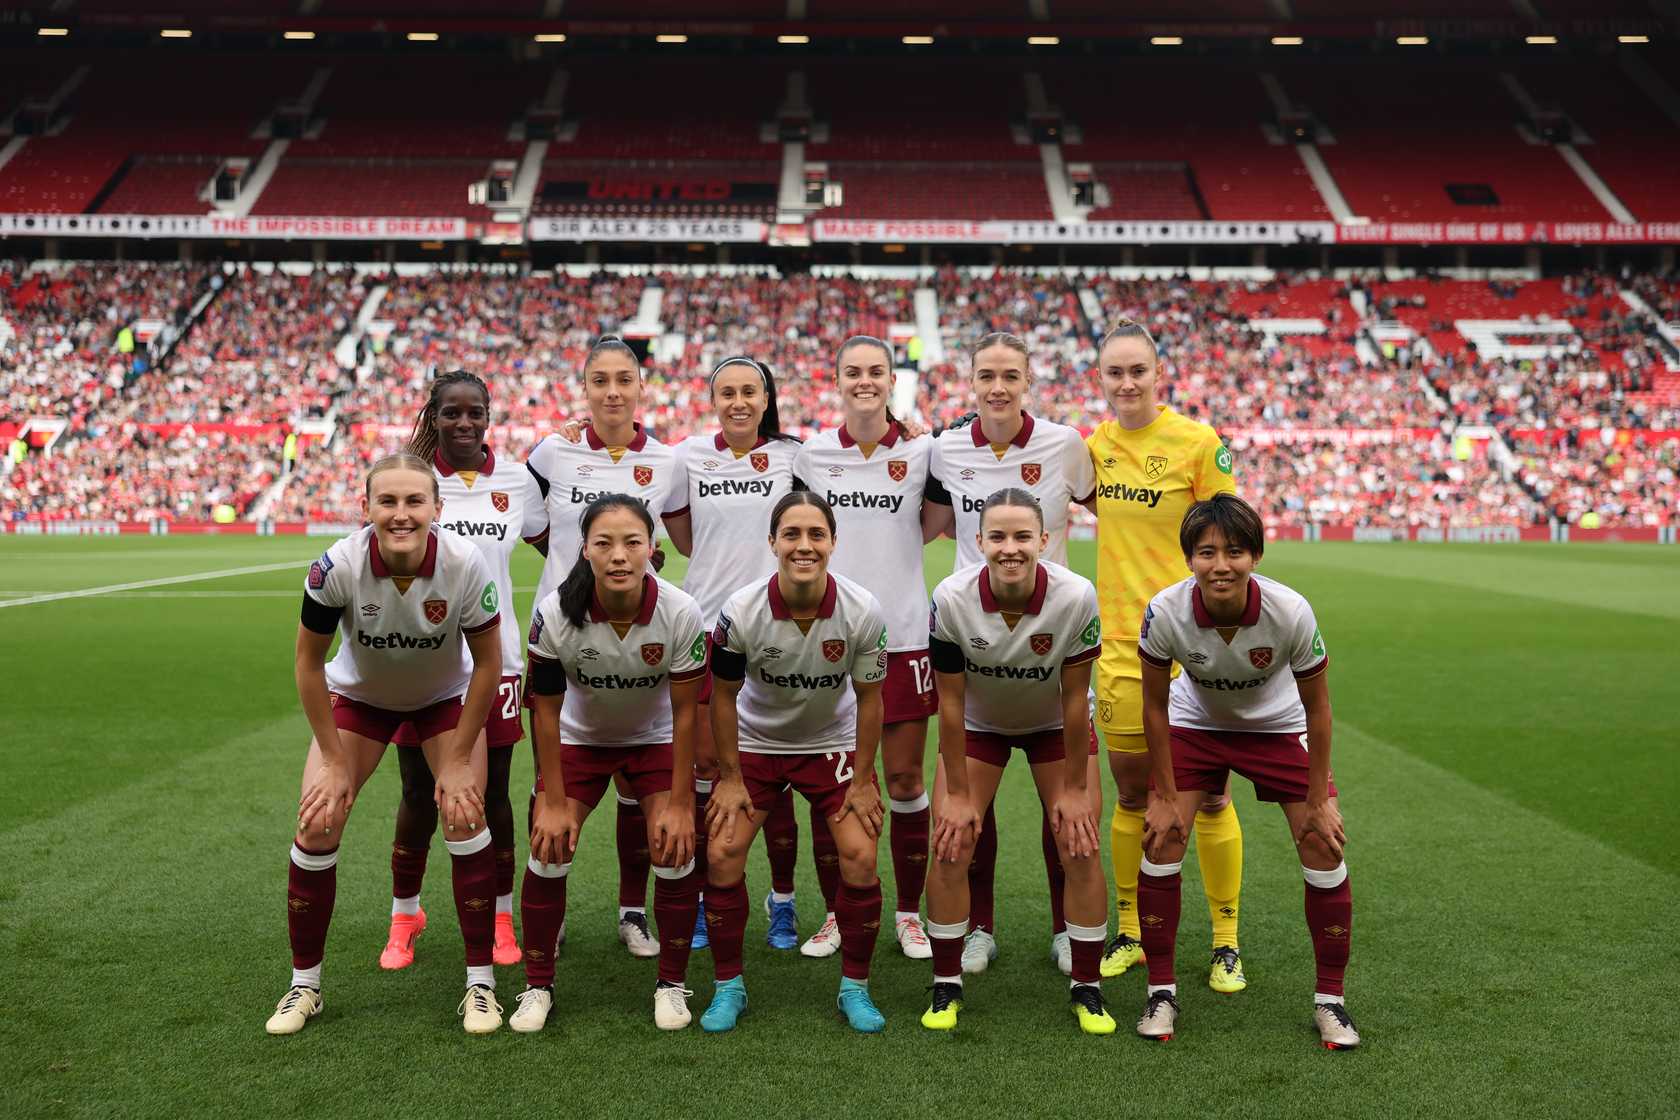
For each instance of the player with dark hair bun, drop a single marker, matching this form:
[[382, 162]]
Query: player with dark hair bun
[[612, 454], [617, 656]]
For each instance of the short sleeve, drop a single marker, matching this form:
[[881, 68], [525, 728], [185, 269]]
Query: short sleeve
[[534, 526], [939, 623], [1154, 640], [688, 661], [729, 652], [540, 463], [803, 468], [676, 498], [329, 581], [543, 640], [1307, 657], [869, 648], [1213, 470], [1081, 473], [1086, 643], [481, 610]]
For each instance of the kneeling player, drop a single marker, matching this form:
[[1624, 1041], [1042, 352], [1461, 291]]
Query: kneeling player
[[406, 598], [797, 666], [1013, 640], [1235, 708], [617, 656]]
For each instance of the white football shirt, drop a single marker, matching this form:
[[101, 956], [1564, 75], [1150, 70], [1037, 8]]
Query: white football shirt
[[1012, 679], [1048, 460], [397, 650], [797, 696], [1240, 686], [729, 503], [618, 689], [571, 475], [878, 507], [499, 508]]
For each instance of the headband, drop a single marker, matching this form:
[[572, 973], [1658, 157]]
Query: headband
[[739, 360]]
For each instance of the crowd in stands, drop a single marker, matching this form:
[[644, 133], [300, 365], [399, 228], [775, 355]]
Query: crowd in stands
[[268, 347]]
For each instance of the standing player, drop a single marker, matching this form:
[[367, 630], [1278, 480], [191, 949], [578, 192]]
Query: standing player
[[1006, 447], [797, 666], [873, 475], [1235, 708], [417, 611], [615, 456], [1151, 464], [494, 510], [616, 660], [1013, 639], [735, 476]]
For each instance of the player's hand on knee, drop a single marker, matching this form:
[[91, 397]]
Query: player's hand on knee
[[1323, 823], [956, 826], [1074, 824], [673, 836], [863, 801], [326, 802], [554, 832], [729, 802], [1163, 828], [460, 799]]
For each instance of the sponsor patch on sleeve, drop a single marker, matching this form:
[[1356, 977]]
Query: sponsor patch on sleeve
[[488, 599], [1222, 459], [318, 572], [536, 629]]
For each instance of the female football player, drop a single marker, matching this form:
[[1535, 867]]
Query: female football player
[[493, 504], [874, 475], [1235, 708], [797, 666], [615, 456], [1013, 639], [1007, 447], [1151, 463], [406, 599], [616, 660], [735, 476]]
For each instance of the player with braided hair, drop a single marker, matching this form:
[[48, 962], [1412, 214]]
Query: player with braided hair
[[493, 504]]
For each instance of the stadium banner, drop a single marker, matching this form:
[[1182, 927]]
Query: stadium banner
[[1643, 534], [958, 231], [1508, 233], [715, 230], [276, 227], [1605, 437], [656, 189], [1341, 437], [1478, 534]]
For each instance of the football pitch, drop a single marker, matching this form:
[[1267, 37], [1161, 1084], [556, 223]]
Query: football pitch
[[1505, 742]]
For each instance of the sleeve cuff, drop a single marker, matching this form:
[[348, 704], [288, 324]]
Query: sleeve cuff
[[689, 675], [1082, 658], [491, 623], [1308, 674], [1150, 659]]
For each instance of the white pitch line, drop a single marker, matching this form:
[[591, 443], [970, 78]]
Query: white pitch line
[[87, 592]]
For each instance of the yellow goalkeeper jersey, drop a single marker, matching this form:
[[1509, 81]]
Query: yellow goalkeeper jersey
[[1146, 480]]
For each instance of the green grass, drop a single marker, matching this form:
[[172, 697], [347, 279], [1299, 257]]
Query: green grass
[[1505, 745]]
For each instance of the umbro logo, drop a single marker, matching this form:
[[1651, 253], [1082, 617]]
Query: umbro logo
[[1335, 931], [836, 472], [369, 609], [1196, 657], [772, 652], [711, 464], [978, 643], [588, 652]]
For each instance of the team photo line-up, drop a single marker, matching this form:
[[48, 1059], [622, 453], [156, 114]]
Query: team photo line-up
[[801, 645]]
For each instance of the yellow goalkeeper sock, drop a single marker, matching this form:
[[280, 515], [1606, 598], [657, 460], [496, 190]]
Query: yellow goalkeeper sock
[[1126, 849], [1219, 849]]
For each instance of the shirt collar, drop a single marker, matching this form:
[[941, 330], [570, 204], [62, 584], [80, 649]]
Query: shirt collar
[[446, 470], [1251, 610], [723, 445], [779, 607], [636, 443], [887, 440], [650, 596], [1021, 437], [1035, 602], [376, 562]]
